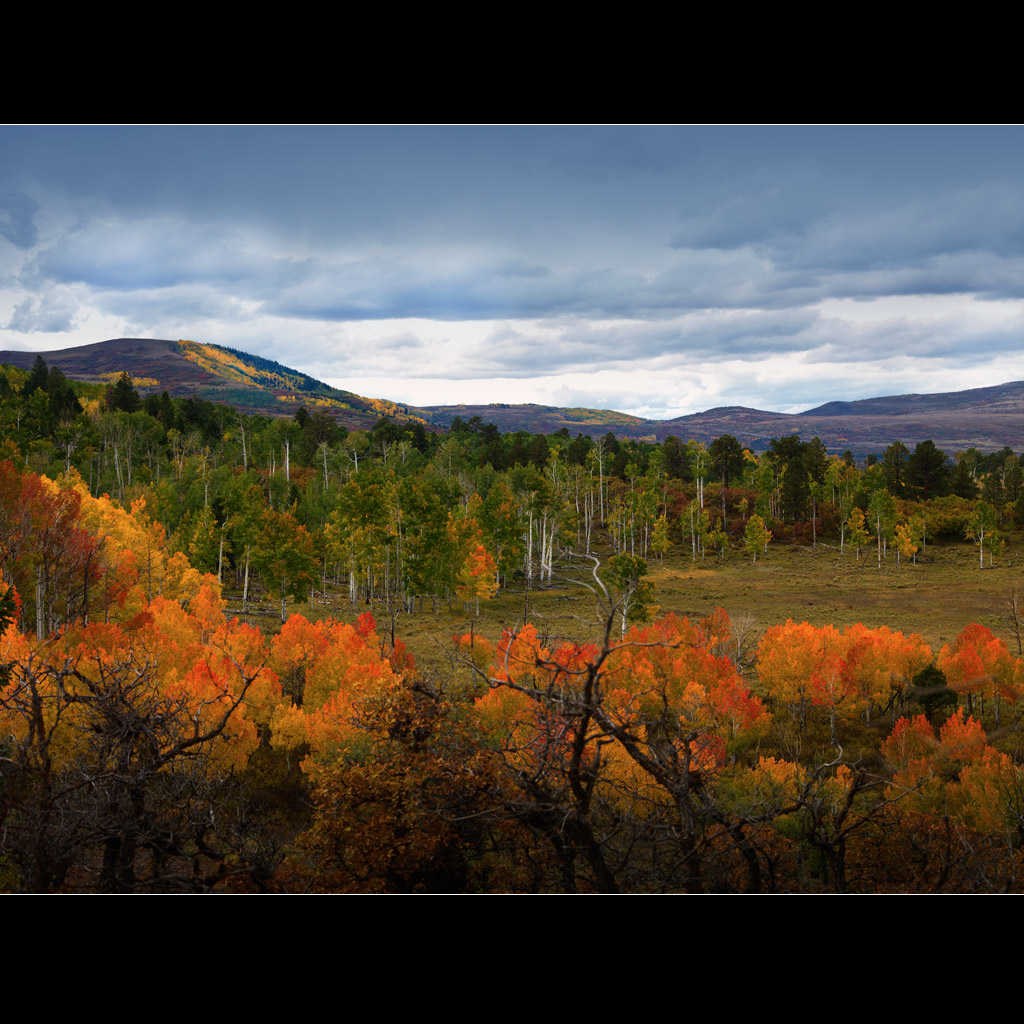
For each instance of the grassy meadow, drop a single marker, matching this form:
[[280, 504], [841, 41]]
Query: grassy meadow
[[937, 597]]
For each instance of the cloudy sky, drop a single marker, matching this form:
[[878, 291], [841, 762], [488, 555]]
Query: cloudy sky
[[658, 271]]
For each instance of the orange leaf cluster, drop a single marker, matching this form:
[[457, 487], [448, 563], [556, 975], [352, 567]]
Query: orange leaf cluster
[[978, 663], [188, 670], [334, 672], [954, 773], [847, 673]]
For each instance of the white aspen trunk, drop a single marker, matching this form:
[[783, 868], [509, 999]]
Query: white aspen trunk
[[578, 520], [40, 602], [549, 551], [529, 549], [117, 470], [588, 513]]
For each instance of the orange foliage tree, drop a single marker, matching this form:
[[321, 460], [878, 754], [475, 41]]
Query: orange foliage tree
[[618, 749], [956, 775], [121, 741], [74, 557], [979, 666], [405, 797], [45, 550], [846, 673]]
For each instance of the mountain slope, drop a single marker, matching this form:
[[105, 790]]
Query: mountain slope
[[182, 368]]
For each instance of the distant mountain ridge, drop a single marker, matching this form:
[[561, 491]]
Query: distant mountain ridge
[[1007, 398], [986, 418]]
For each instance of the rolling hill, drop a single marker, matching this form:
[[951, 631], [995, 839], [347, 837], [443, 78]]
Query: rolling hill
[[984, 418], [250, 383]]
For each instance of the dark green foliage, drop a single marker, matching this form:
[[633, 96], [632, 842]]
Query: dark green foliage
[[538, 450], [37, 378], [423, 440], [727, 457], [995, 462], [302, 381], [122, 397], [992, 490], [576, 453], [492, 454], [51, 399], [931, 691], [317, 429], [1013, 482], [64, 403], [964, 485], [815, 459], [386, 431], [928, 472], [519, 453], [894, 465], [794, 489], [677, 462]]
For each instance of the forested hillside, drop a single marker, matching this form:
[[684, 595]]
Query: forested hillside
[[184, 369], [218, 676]]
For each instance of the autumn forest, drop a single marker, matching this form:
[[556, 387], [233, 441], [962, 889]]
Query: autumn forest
[[274, 655]]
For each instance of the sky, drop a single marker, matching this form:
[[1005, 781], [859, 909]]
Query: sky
[[654, 270]]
